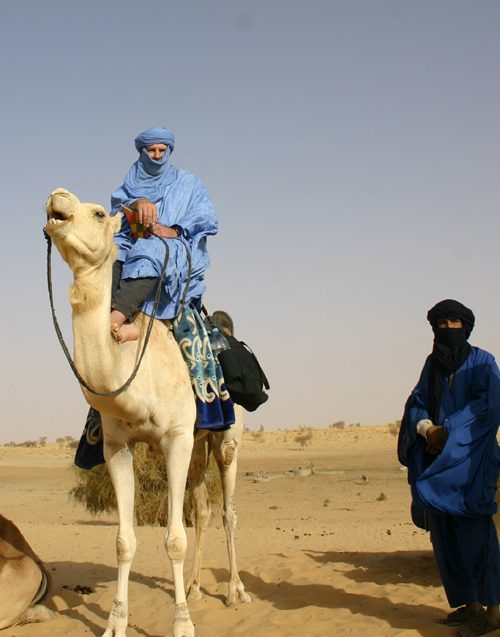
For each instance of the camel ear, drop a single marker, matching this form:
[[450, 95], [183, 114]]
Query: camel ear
[[116, 222]]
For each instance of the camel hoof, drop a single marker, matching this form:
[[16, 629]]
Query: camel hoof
[[183, 626], [239, 595], [118, 620], [195, 595]]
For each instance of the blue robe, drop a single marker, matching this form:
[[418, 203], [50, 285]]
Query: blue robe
[[457, 489], [181, 200]]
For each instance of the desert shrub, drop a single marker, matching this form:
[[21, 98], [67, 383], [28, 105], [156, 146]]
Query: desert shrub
[[28, 443], [95, 491], [304, 438], [258, 436], [337, 425], [72, 444], [394, 427]]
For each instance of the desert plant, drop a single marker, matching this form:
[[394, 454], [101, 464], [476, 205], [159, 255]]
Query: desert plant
[[337, 425], [95, 491], [381, 497], [28, 443], [304, 438], [258, 436], [394, 427]]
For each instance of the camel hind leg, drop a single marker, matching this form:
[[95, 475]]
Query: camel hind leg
[[225, 450]]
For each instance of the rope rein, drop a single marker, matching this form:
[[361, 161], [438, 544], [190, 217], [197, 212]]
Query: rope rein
[[126, 384]]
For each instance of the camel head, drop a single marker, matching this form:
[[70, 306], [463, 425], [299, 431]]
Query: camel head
[[82, 232]]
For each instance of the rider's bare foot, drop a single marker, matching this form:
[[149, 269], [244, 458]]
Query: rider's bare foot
[[124, 333]]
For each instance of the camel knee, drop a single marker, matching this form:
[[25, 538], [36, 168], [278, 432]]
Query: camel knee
[[228, 450], [229, 518], [125, 546], [176, 545]]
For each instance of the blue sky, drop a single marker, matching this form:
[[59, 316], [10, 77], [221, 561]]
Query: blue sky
[[351, 149]]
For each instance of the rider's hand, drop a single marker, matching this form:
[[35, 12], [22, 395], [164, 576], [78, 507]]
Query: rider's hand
[[146, 212], [436, 439], [164, 231]]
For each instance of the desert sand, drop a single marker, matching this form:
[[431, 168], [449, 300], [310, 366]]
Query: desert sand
[[330, 553]]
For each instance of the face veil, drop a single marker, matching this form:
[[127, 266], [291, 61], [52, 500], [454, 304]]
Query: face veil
[[450, 348]]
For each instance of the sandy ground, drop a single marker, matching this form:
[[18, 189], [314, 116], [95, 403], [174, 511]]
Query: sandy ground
[[321, 555]]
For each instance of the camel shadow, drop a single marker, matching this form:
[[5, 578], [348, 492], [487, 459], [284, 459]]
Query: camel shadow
[[69, 578], [415, 567], [398, 567]]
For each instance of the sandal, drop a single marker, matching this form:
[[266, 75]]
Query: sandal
[[460, 617], [478, 626]]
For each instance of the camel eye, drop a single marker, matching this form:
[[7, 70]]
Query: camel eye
[[99, 214]]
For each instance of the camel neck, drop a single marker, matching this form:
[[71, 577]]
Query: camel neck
[[94, 349]]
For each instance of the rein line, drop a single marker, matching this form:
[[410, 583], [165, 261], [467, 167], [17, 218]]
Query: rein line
[[126, 384]]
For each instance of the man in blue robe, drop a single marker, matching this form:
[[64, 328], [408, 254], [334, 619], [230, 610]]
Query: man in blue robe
[[448, 441], [172, 203]]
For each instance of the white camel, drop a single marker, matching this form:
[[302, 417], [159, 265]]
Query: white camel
[[158, 407], [23, 579]]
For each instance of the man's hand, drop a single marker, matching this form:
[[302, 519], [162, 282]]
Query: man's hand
[[146, 211], [436, 439], [164, 231]]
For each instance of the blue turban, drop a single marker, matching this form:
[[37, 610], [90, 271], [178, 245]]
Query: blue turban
[[154, 136]]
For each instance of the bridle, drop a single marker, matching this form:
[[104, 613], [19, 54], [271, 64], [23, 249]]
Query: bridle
[[156, 303]]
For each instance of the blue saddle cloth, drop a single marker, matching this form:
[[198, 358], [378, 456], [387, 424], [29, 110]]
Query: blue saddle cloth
[[214, 407]]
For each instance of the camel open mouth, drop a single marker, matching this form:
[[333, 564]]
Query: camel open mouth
[[57, 217]]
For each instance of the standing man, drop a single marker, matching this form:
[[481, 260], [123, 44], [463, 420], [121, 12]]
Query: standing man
[[448, 442]]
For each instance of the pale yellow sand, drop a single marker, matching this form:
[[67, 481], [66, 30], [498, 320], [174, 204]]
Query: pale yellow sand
[[321, 555]]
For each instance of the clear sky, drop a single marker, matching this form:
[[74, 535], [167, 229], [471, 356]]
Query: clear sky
[[352, 150]]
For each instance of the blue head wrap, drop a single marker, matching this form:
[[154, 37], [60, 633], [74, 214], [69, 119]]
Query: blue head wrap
[[149, 177], [155, 136]]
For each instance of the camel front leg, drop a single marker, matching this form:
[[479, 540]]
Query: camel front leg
[[202, 511], [226, 456], [177, 451], [119, 461]]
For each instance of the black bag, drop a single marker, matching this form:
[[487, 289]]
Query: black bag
[[244, 378]]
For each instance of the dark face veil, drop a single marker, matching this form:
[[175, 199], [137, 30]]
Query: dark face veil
[[450, 348]]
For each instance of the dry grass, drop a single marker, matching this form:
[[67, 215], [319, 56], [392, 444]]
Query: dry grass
[[94, 490], [304, 438], [394, 427]]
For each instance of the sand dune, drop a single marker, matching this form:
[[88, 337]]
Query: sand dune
[[329, 553]]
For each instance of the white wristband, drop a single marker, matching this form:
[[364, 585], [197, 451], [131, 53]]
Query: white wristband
[[423, 426]]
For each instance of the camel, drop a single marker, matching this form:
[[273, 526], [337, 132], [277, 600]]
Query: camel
[[158, 408], [23, 579]]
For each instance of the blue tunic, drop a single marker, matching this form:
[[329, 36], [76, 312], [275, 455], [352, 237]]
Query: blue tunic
[[181, 200], [458, 488]]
